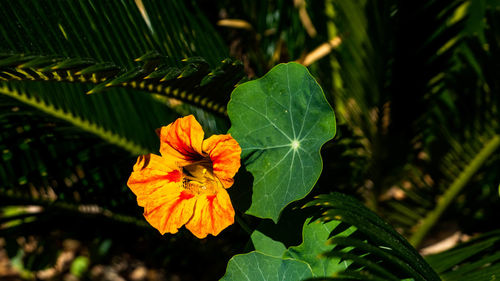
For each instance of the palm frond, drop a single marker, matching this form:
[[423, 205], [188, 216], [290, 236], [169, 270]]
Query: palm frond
[[113, 44], [477, 259], [109, 31], [49, 161], [461, 180], [380, 98], [462, 145], [379, 251], [194, 83], [75, 120]]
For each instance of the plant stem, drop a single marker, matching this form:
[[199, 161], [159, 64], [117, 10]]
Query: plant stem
[[428, 222], [243, 224]]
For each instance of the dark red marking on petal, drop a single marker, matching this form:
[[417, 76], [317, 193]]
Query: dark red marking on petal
[[146, 159], [177, 142], [187, 151], [174, 176], [210, 199], [183, 196]]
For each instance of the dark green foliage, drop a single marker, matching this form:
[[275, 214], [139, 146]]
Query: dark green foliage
[[477, 259], [414, 85], [378, 249], [460, 126], [193, 83]]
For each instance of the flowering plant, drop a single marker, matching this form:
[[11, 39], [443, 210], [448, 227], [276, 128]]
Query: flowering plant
[[278, 125], [253, 180]]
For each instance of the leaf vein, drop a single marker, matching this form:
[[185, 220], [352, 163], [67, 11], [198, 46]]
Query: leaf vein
[[290, 102], [267, 118], [305, 115]]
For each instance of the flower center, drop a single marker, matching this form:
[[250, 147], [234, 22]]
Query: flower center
[[199, 178]]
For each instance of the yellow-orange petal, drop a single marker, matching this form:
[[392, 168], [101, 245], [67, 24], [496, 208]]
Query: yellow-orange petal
[[170, 208], [150, 173], [212, 214], [224, 152], [181, 141]]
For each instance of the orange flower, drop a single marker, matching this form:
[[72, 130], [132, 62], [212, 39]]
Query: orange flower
[[187, 184]]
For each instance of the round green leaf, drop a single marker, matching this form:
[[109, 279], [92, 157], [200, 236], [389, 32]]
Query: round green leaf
[[256, 266], [281, 121]]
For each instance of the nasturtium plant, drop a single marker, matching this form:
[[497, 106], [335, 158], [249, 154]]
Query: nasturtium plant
[[281, 121], [315, 236]]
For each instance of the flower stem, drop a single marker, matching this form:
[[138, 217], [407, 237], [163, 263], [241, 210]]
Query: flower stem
[[243, 224]]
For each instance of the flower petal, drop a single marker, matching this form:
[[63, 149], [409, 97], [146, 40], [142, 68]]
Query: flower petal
[[224, 152], [180, 141], [150, 173], [158, 186], [169, 208], [212, 214]]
